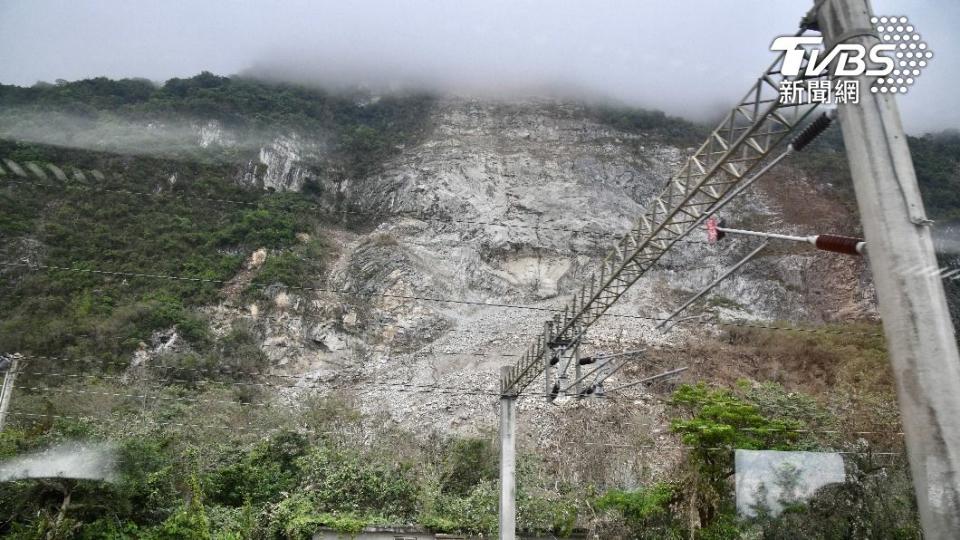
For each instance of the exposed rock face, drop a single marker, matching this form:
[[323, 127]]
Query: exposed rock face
[[282, 165], [506, 205], [516, 204], [282, 162], [212, 133]]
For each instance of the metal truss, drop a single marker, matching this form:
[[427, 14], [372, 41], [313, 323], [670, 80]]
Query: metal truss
[[748, 134]]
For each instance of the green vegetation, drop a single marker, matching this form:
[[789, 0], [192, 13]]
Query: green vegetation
[[220, 479], [720, 422], [670, 129], [845, 364], [224, 483], [936, 158], [721, 301], [875, 502], [365, 129], [207, 451], [180, 232], [647, 511], [187, 229]]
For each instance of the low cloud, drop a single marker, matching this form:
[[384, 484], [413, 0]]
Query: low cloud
[[687, 57], [89, 461]]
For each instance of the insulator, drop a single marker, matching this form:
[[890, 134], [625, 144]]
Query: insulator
[[838, 244], [812, 131]]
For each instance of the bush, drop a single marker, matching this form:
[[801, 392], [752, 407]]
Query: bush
[[261, 474], [259, 228], [282, 269], [298, 518], [342, 481], [646, 511], [474, 513], [470, 461]]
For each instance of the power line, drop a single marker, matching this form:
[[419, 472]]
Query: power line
[[799, 329], [229, 372], [418, 352], [213, 371], [386, 295], [155, 397], [197, 381], [246, 427], [304, 316], [433, 387], [396, 386], [304, 288], [770, 430], [439, 300], [146, 397], [418, 214], [404, 388], [327, 320], [252, 429], [428, 299], [714, 449], [385, 324], [399, 387]]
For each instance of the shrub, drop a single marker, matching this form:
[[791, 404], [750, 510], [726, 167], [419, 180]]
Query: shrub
[[469, 462], [284, 269], [343, 481], [647, 511], [261, 474], [298, 518], [259, 228]]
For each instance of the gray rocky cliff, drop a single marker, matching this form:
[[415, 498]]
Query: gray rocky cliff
[[516, 204]]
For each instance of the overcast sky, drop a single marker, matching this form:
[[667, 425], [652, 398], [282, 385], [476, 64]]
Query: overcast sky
[[688, 57]]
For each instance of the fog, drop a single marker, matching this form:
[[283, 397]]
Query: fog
[[175, 136], [90, 461], [946, 238], [687, 57]]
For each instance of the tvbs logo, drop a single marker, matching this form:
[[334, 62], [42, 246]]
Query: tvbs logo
[[850, 58], [896, 61]]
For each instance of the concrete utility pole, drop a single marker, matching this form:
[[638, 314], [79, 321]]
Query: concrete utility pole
[[6, 394], [916, 322], [508, 462]]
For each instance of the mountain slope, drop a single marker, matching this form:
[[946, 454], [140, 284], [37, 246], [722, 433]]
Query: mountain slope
[[354, 269]]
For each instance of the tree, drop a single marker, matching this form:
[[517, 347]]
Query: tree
[[720, 422]]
